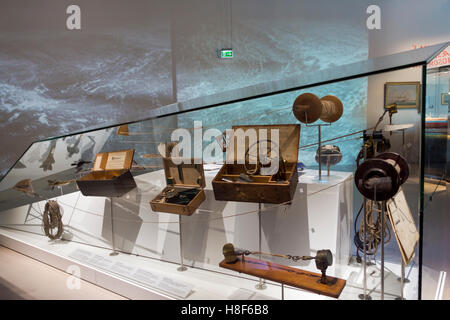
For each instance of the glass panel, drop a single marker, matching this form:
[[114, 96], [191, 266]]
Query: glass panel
[[436, 258], [302, 80]]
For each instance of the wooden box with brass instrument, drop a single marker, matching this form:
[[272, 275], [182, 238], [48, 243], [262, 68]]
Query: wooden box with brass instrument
[[261, 164], [110, 176], [184, 191]]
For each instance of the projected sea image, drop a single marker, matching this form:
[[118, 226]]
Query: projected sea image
[[51, 85]]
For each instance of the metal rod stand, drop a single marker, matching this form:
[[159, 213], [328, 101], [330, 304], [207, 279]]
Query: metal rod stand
[[402, 283], [365, 296], [403, 277], [328, 165], [261, 285], [320, 151], [114, 253], [319, 142], [181, 267], [282, 291], [383, 203]]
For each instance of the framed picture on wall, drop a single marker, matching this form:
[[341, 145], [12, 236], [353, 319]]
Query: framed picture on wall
[[445, 98], [405, 94]]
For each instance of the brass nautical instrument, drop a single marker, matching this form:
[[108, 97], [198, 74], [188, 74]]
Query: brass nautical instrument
[[329, 155], [308, 108], [323, 258], [261, 165]]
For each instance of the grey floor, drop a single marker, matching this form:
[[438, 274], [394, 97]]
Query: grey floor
[[22, 277], [436, 242]]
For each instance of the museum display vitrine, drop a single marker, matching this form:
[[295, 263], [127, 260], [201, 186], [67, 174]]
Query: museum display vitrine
[[269, 168], [436, 224]]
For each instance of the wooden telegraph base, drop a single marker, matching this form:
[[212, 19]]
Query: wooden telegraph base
[[287, 275]]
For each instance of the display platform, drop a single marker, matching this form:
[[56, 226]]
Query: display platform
[[204, 284], [149, 247]]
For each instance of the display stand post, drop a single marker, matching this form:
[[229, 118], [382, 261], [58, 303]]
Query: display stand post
[[261, 285], [402, 283], [181, 267], [60, 190], [319, 142], [328, 166], [365, 296], [320, 150], [114, 253], [282, 291], [383, 203], [403, 278]]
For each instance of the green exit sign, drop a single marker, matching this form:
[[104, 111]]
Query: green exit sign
[[226, 53]]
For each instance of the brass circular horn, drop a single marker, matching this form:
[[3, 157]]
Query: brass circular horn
[[332, 109], [308, 108]]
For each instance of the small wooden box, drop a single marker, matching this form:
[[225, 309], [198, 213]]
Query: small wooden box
[[263, 189], [110, 175], [181, 177]]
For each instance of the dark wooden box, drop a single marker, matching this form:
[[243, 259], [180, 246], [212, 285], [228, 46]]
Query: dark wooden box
[[110, 175], [181, 177], [264, 188]]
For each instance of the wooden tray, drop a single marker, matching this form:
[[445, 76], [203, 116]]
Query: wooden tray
[[185, 210], [184, 176], [287, 275]]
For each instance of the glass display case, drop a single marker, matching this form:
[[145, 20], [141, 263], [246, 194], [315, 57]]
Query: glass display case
[[386, 107], [436, 224]]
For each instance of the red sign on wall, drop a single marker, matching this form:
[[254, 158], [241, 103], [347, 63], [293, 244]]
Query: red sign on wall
[[442, 59]]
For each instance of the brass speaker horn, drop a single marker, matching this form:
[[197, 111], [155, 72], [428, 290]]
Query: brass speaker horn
[[308, 108], [380, 178], [229, 253]]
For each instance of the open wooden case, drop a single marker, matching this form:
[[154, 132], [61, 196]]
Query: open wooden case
[[179, 178], [110, 176], [264, 188]]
